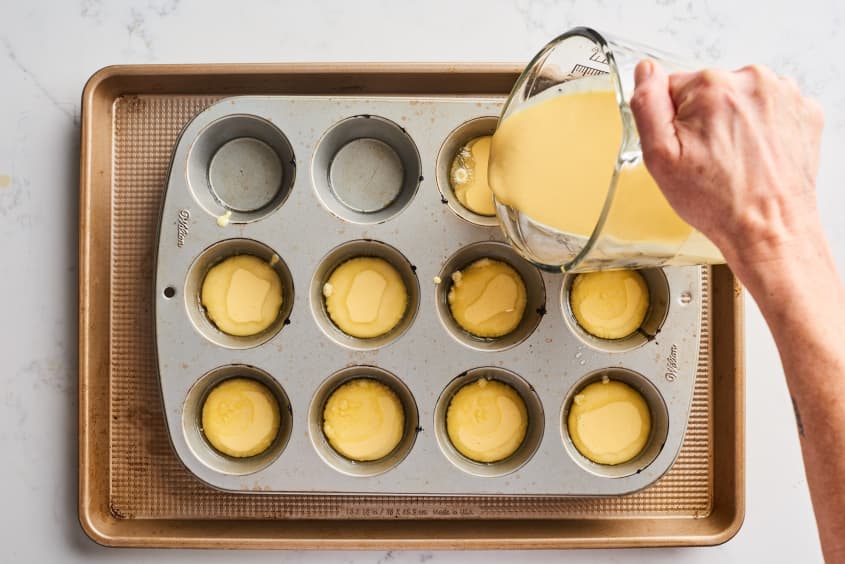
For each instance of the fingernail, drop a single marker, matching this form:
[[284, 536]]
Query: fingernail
[[646, 69]]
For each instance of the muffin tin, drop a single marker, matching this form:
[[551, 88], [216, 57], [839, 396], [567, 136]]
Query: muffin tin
[[339, 177]]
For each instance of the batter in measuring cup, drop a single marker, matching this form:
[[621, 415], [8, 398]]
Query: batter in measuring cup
[[554, 160]]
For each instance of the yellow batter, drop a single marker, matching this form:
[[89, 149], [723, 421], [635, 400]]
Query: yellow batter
[[487, 298], [365, 297], [609, 422], [223, 220], [363, 420], [240, 417], [610, 304], [242, 295], [468, 176], [554, 160], [486, 420]]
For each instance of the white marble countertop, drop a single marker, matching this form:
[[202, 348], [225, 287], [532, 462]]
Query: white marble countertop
[[49, 49]]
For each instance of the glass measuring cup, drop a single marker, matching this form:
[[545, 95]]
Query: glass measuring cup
[[590, 221]]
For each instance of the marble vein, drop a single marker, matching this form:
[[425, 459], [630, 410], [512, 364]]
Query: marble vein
[[72, 115]]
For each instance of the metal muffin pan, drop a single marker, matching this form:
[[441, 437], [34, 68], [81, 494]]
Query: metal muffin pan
[[344, 176]]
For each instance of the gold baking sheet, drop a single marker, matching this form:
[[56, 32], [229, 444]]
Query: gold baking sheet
[[133, 489]]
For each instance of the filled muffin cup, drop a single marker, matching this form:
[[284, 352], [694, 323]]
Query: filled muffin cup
[[357, 249], [200, 445], [535, 304], [457, 139], [344, 464], [655, 315], [214, 255], [533, 432], [658, 412]]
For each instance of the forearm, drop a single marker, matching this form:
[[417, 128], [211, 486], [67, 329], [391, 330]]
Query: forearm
[[803, 301], [736, 155]]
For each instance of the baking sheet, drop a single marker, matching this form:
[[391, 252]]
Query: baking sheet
[[133, 490]]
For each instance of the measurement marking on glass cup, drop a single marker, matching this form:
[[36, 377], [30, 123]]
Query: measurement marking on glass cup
[[598, 56], [583, 70]]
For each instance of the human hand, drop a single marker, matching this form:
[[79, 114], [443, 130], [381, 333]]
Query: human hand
[[735, 153]]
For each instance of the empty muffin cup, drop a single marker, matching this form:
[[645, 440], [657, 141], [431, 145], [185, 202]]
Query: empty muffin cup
[[363, 388], [453, 147], [657, 290], [355, 294], [494, 418], [237, 333], [532, 305], [615, 437], [241, 168], [242, 438], [366, 169]]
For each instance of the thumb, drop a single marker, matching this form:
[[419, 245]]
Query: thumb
[[654, 113]]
